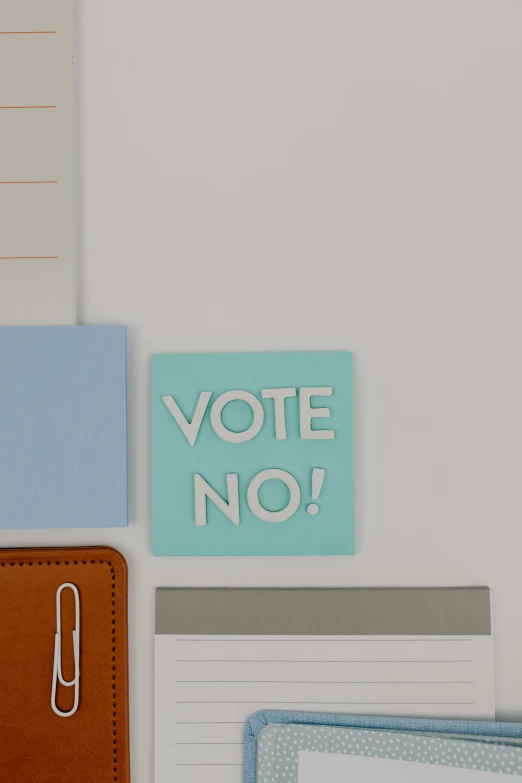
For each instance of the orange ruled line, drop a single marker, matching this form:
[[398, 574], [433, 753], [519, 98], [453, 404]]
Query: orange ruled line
[[27, 107], [27, 32], [15, 258], [31, 182]]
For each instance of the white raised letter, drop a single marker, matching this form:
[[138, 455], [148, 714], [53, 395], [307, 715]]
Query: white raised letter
[[228, 435], [307, 413], [253, 496], [279, 396], [190, 429], [203, 490]]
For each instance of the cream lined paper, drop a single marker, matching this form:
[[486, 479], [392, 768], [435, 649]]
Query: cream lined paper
[[37, 163]]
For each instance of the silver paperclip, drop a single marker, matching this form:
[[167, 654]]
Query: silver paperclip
[[57, 666]]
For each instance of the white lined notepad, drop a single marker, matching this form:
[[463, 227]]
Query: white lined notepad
[[37, 163], [208, 684]]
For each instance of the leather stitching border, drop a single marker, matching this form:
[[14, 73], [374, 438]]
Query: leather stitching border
[[5, 563]]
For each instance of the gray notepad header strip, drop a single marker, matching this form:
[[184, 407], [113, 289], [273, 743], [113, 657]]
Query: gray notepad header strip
[[441, 611]]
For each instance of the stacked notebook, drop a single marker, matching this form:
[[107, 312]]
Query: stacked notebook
[[286, 747], [63, 396]]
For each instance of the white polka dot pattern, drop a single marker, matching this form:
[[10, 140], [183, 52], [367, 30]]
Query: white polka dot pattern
[[279, 746]]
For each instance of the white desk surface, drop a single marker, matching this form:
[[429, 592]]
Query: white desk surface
[[308, 175]]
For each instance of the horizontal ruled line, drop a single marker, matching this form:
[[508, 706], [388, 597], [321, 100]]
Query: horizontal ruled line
[[210, 722], [21, 258], [346, 703], [291, 660], [337, 682], [209, 743], [27, 32], [29, 182], [28, 107], [326, 639], [213, 764]]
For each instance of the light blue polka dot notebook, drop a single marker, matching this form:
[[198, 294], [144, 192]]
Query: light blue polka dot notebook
[[276, 743]]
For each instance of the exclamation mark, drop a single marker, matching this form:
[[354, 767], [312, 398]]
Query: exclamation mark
[[317, 485]]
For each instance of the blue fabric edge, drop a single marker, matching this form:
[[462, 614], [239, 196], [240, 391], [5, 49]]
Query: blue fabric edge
[[259, 720]]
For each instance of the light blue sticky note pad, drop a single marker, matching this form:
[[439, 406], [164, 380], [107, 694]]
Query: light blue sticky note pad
[[63, 427], [252, 454]]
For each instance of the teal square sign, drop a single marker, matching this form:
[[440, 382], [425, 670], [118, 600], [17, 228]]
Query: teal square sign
[[252, 454]]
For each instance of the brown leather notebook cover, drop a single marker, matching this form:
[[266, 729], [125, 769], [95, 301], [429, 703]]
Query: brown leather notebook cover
[[36, 744]]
